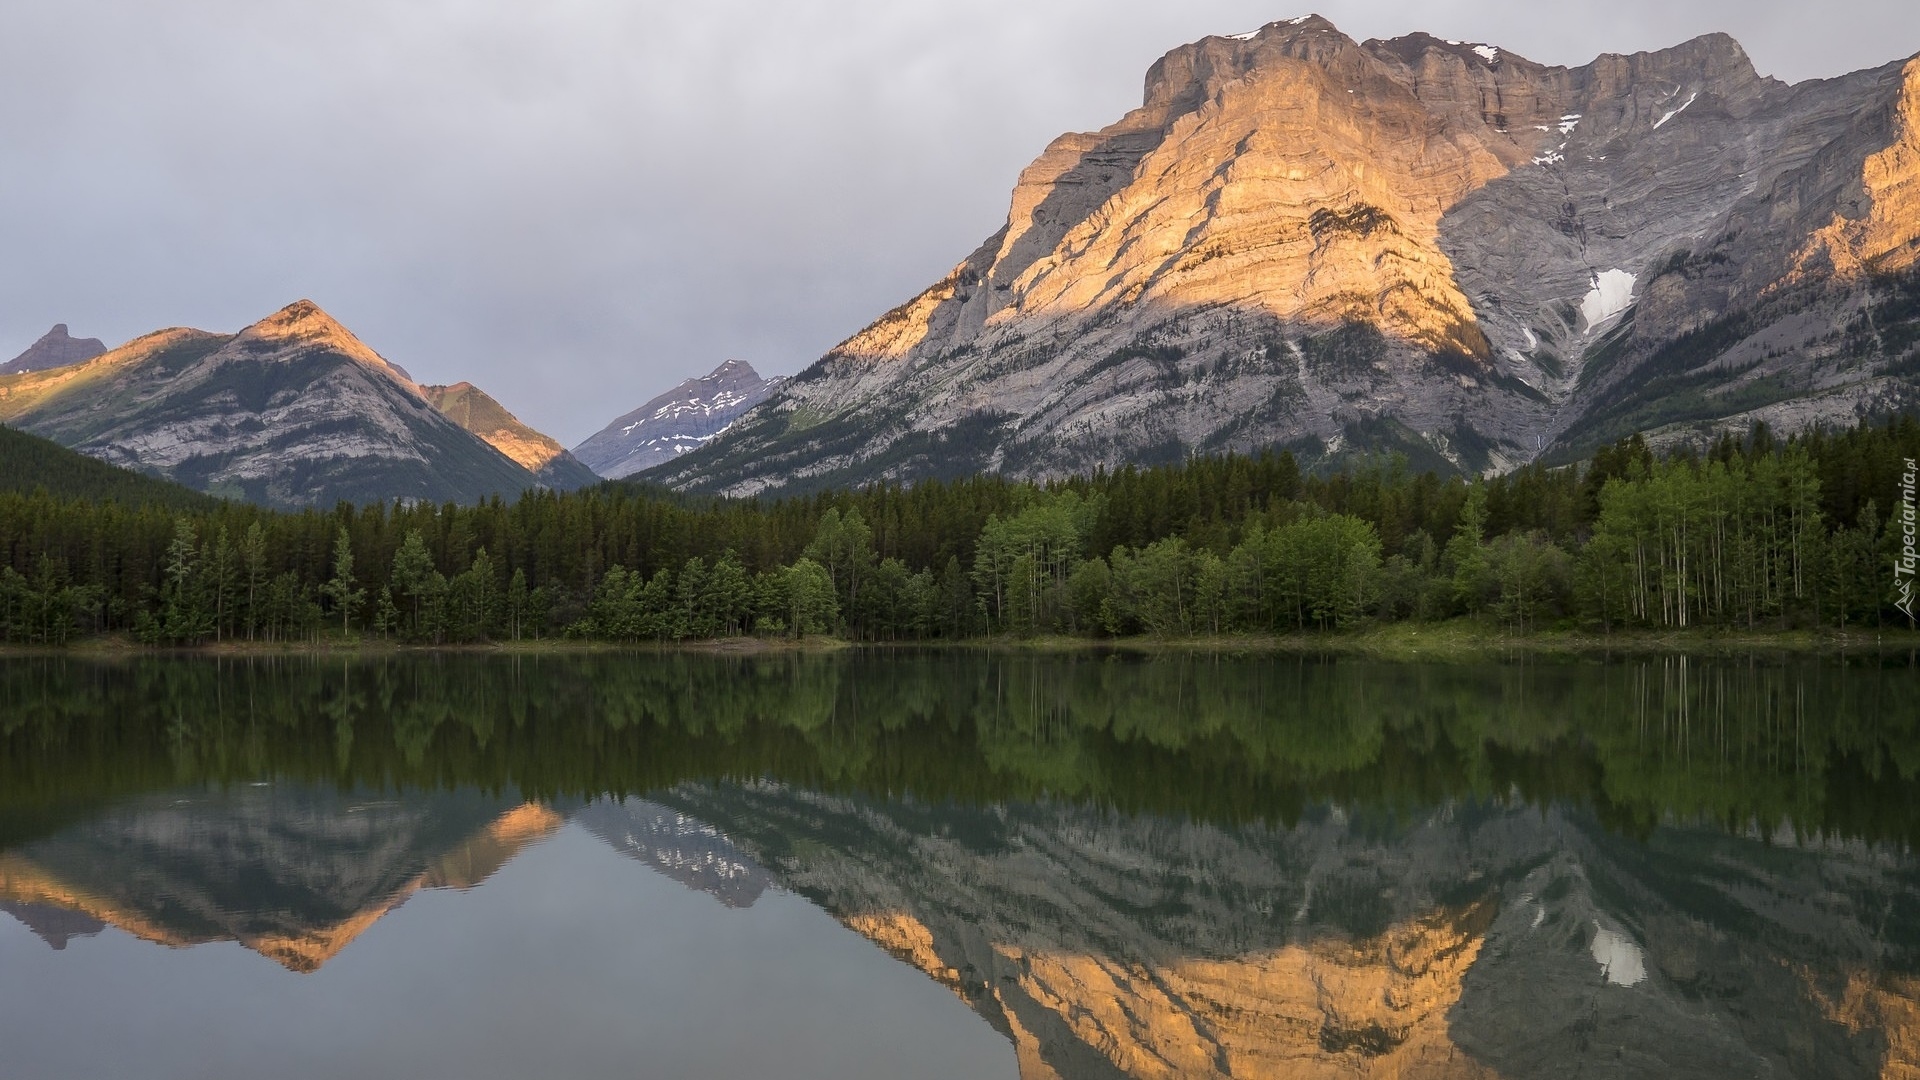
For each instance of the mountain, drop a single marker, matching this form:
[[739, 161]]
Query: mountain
[[29, 463], [685, 849], [1433, 247], [682, 419], [54, 349], [54, 925], [548, 461], [294, 873], [1468, 940], [292, 411]]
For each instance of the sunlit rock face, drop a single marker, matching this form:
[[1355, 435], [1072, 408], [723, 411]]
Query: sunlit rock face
[[1435, 247], [476, 411], [1465, 942], [293, 873], [54, 349], [292, 411], [1886, 237], [679, 421]]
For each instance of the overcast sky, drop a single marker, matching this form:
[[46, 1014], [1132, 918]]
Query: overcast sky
[[577, 203]]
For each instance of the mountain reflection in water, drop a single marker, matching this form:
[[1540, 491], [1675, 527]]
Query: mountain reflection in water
[[1174, 867]]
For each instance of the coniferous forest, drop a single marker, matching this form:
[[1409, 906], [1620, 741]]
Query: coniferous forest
[[1754, 534]]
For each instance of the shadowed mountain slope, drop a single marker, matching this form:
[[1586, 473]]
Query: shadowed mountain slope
[[29, 463]]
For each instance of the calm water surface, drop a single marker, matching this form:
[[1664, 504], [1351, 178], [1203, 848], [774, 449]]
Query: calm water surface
[[958, 865]]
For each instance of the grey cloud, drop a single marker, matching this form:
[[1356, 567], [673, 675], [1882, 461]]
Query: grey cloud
[[577, 203]]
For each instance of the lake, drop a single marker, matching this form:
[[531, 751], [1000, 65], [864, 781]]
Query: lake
[[958, 864]]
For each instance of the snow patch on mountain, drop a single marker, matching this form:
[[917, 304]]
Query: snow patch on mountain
[[1622, 962], [1671, 113], [677, 422], [1612, 293]]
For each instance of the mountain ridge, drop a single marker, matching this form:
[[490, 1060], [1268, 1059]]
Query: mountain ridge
[[1440, 248], [291, 411]]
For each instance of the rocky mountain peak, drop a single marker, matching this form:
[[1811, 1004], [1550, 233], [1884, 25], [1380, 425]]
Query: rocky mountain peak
[[300, 319], [303, 326], [477, 412], [732, 371], [1188, 76], [682, 419], [55, 349]]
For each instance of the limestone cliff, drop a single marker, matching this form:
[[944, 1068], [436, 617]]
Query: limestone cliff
[[1430, 246]]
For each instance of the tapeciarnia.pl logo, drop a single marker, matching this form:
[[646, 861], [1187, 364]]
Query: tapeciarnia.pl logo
[[1905, 564]]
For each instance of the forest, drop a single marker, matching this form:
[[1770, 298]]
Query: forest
[[1754, 534]]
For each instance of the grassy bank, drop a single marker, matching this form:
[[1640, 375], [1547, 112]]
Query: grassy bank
[[352, 645], [1460, 638]]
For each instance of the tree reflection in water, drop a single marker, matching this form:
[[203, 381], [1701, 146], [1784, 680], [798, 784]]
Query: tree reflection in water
[[1182, 865]]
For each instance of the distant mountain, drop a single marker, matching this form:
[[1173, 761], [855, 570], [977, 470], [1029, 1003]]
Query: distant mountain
[[1433, 247], [476, 411], [686, 849], [682, 419], [292, 411], [29, 462], [54, 350]]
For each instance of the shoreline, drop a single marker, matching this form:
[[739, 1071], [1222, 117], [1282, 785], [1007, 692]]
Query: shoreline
[[1449, 640]]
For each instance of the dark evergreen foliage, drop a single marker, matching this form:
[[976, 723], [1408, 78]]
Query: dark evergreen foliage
[[1755, 533], [29, 463]]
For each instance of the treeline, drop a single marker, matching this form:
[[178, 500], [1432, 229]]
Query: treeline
[[1830, 747], [1755, 533]]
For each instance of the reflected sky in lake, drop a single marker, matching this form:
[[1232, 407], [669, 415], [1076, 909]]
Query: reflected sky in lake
[[570, 961], [958, 865]]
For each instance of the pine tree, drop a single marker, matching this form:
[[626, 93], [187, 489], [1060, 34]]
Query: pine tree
[[342, 588]]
